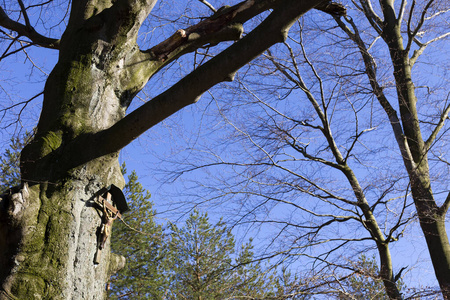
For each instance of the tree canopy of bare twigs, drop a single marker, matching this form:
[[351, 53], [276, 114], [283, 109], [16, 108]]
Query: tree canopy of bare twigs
[[335, 142]]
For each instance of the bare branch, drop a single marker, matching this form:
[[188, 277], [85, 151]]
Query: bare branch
[[208, 5], [22, 103], [408, 25], [412, 34], [437, 14], [401, 12], [445, 206], [372, 17], [25, 14], [378, 91], [400, 221], [422, 47], [13, 40], [438, 127], [27, 31]]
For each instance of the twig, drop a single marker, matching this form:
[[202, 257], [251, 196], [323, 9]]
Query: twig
[[209, 5]]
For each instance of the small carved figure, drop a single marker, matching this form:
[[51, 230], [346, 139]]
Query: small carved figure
[[107, 221], [108, 218]]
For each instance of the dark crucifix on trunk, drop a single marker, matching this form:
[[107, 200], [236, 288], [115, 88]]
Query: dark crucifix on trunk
[[109, 213]]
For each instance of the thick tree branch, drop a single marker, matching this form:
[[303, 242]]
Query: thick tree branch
[[27, 31], [387, 6], [224, 25], [333, 8], [220, 68]]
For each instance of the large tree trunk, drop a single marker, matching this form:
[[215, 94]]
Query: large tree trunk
[[55, 239], [53, 218]]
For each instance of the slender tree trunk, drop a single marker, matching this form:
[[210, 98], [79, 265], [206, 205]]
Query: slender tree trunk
[[431, 217], [386, 269], [407, 132]]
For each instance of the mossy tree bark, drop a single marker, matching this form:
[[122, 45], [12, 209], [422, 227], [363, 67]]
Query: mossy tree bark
[[48, 227]]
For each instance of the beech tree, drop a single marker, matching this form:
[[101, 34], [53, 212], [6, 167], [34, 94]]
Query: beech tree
[[48, 225]]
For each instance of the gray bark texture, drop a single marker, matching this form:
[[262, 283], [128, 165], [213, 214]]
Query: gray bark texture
[[49, 226]]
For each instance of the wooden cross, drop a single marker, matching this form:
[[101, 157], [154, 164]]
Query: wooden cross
[[110, 213]]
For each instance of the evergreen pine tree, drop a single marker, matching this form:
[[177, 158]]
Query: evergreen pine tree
[[9, 163], [199, 261], [291, 286], [204, 264], [366, 284]]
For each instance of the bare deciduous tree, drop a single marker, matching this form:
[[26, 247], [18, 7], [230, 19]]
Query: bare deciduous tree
[[338, 146]]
